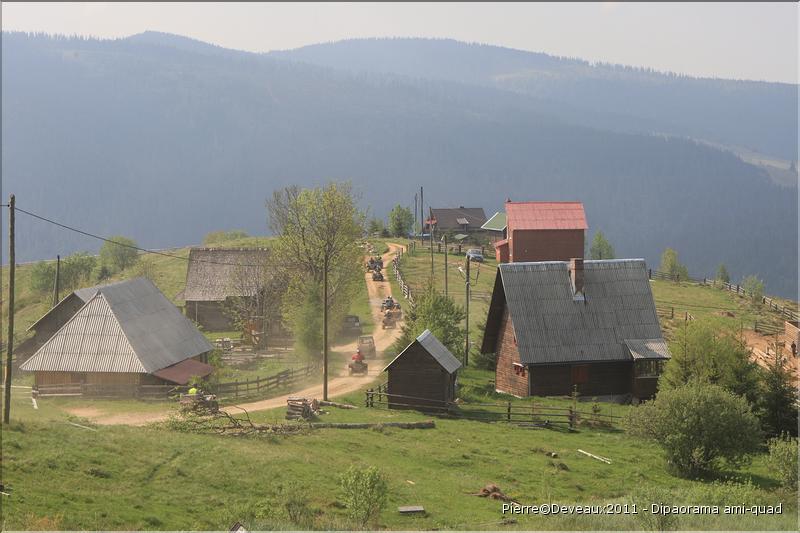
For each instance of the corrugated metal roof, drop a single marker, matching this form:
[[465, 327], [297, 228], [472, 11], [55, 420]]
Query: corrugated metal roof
[[552, 327], [447, 218], [215, 274], [648, 348], [545, 215], [125, 327], [498, 222], [85, 294], [438, 351]]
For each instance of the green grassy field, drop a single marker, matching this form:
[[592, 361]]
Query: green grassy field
[[64, 477], [703, 302]]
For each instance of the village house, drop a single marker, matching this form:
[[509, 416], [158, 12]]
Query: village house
[[214, 276], [126, 334], [460, 220], [557, 326], [496, 227], [422, 375], [542, 231]]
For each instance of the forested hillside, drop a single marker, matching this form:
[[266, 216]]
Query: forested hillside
[[755, 115], [164, 139]]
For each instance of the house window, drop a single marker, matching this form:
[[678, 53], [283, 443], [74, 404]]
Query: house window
[[519, 370], [648, 368], [580, 374]]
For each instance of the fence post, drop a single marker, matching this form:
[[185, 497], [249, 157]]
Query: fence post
[[236, 388], [649, 273], [508, 412], [672, 312], [366, 398]]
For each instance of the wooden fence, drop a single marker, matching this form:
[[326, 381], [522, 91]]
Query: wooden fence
[[438, 246], [786, 312], [225, 391], [535, 414], [405, 288]]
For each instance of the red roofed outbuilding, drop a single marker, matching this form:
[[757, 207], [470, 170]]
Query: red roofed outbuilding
[[542, 231]]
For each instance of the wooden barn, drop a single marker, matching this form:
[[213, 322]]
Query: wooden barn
[[556, 325], [466, 220], [422, 375], [542, 231], [44, 328], [126, 334], [217, 274]]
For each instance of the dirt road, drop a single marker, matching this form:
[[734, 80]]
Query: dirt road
[[340, 385]]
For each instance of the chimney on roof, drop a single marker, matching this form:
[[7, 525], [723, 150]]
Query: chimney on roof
[[508, 200], [576, 274]]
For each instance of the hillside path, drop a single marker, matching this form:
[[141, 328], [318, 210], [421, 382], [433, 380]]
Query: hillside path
[[338, 386]]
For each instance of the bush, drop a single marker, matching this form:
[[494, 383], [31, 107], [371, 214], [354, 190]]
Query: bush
[[42, 275], [655, 521], [365, 491], [783, 459], [754, 288], [700, 427]]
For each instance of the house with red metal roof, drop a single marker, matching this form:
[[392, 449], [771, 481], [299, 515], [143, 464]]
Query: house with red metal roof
[[542, 231]]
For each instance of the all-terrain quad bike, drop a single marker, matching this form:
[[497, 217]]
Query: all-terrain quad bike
[[377, 275], [199, 403], [357, 367]]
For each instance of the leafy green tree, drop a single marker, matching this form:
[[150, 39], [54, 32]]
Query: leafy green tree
[[778, 401], [439, 313], [401, 220], [318, 230], [754, 288], [722, 274], [119, 253], [376, 226], [702, 352], [701, 427], [42, 275], [670, 265], [601, 248]]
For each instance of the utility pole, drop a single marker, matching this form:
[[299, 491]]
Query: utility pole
[[421, 214], [432, 272], [466, 342], [445, 264], [325, 331], [416, 212], [57, 280], [10, 352]]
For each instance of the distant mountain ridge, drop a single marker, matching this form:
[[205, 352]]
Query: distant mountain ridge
[[753, 114], [165, 139]]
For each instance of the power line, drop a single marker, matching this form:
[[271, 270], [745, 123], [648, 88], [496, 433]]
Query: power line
[[143, 250]]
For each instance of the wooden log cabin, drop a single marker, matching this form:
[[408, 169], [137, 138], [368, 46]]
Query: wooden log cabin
[[557, 326], [126, 334], [423, 375]]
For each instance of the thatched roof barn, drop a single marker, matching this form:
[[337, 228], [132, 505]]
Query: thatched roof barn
[[216, 274]]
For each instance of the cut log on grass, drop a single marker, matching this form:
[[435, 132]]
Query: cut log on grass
[[428, 424], [593, 456], [339, 405]]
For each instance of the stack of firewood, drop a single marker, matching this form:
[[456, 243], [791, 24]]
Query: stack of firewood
[[301, 408]]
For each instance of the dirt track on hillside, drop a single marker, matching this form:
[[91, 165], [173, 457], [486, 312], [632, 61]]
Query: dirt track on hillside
[[338, 386]]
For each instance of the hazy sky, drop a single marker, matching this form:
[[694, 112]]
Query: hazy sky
[[731, 40]]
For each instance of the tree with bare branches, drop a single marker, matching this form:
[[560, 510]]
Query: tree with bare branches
[[317, 230]]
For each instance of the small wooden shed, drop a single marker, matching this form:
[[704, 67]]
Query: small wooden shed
[[423, 375]]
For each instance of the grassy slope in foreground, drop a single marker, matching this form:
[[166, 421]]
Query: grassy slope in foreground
[[133, 478]]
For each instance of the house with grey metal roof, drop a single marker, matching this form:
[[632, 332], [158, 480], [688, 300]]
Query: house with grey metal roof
[[457, 219], [557, 326], [125, 334], [217, 274], [423, 375]]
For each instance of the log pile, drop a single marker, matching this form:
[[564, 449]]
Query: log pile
[[301, 408]]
